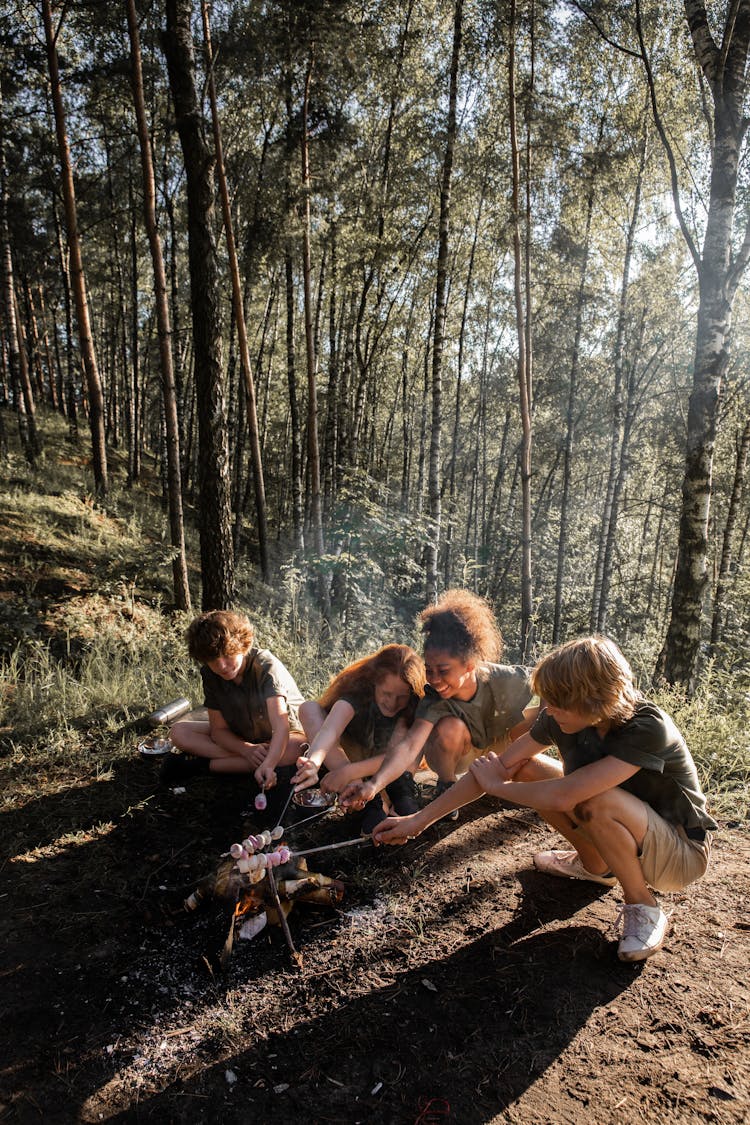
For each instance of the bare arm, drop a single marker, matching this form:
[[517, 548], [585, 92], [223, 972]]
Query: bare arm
[[519, 751], [324, 746], [401, 755], [338, 779], [397, 829], [556, 794], [224, 737], [278, 717]]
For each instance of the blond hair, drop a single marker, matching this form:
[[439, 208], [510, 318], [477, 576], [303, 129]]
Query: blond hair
[[589, 675]]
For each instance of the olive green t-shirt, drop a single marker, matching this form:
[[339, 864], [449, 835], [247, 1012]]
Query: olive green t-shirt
[[667, 778], [503, 691], [243, 705]]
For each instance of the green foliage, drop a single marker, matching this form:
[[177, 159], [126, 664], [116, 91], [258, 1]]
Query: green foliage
[[716, 723]]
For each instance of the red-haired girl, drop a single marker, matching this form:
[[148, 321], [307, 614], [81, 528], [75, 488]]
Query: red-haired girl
[[365, 709]]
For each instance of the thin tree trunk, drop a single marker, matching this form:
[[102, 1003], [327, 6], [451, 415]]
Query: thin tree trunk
[[217, 555], [77, 277], [600, 601], [180, 583], [313, 454], [743, 448], [433, 489], [296, 434], [239, 315], [524, 358], [562, 541]]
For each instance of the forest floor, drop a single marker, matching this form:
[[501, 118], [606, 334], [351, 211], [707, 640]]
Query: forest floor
[[453, 985]]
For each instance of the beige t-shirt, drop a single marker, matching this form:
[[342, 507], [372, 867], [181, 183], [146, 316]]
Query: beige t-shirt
[[503, 691]]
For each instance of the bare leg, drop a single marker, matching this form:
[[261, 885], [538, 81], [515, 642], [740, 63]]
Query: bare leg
[[543, 768], [617, 822], [607, 831], [194, 737], [446, 746]]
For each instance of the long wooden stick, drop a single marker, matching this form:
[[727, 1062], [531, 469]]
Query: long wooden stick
[[292, 791]]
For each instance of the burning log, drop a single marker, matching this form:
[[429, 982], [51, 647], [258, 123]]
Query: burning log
[[252, 895]]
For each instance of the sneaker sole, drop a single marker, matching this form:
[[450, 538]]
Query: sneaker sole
[[640, 954]]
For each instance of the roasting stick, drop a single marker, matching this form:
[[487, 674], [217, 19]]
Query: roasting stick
[[299, 823], [292, 791], [332, 847]]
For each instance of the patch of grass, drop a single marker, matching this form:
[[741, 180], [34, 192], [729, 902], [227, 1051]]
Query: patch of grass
[[715, 721]]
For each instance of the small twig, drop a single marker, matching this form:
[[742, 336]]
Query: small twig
[[229, 943]]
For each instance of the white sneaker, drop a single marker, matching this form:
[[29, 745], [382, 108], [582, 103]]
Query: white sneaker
[[569, 866], [643, 931]]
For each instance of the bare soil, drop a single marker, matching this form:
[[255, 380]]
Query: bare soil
[[454, 984]]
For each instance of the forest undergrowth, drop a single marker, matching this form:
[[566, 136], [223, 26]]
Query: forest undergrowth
[[89, 644]]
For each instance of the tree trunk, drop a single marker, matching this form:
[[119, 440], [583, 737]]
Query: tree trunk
[[17, 366], [562, 541], [719, 272], [77, 277], [743, 448], [433, 487], [294, 420], [217, 556], [600, 600], [523, 320], [239, 315], [313, 454], [180, 582]]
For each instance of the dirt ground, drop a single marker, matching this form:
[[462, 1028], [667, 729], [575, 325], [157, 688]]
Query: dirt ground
[[454, 983]]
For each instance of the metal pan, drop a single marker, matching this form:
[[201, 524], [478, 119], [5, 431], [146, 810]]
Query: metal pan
[[313, 799], [155, 746]]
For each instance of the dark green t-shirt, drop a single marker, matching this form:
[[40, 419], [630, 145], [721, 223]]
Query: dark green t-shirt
[[369, 729], [495, 708], [667, 778], [243, 705]]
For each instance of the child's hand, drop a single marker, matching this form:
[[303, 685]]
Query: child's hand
[[265, 775], [337, 780], [357, 793], [395, 830], [255, 752], [490, 773], [306, 775]]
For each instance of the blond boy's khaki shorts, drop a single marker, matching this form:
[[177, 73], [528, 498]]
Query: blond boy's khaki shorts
[[669, 858]]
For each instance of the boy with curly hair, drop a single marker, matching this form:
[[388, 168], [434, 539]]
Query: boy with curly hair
[[252, 701]]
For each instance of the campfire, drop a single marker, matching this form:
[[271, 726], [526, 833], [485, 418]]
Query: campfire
[[264, 878]]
